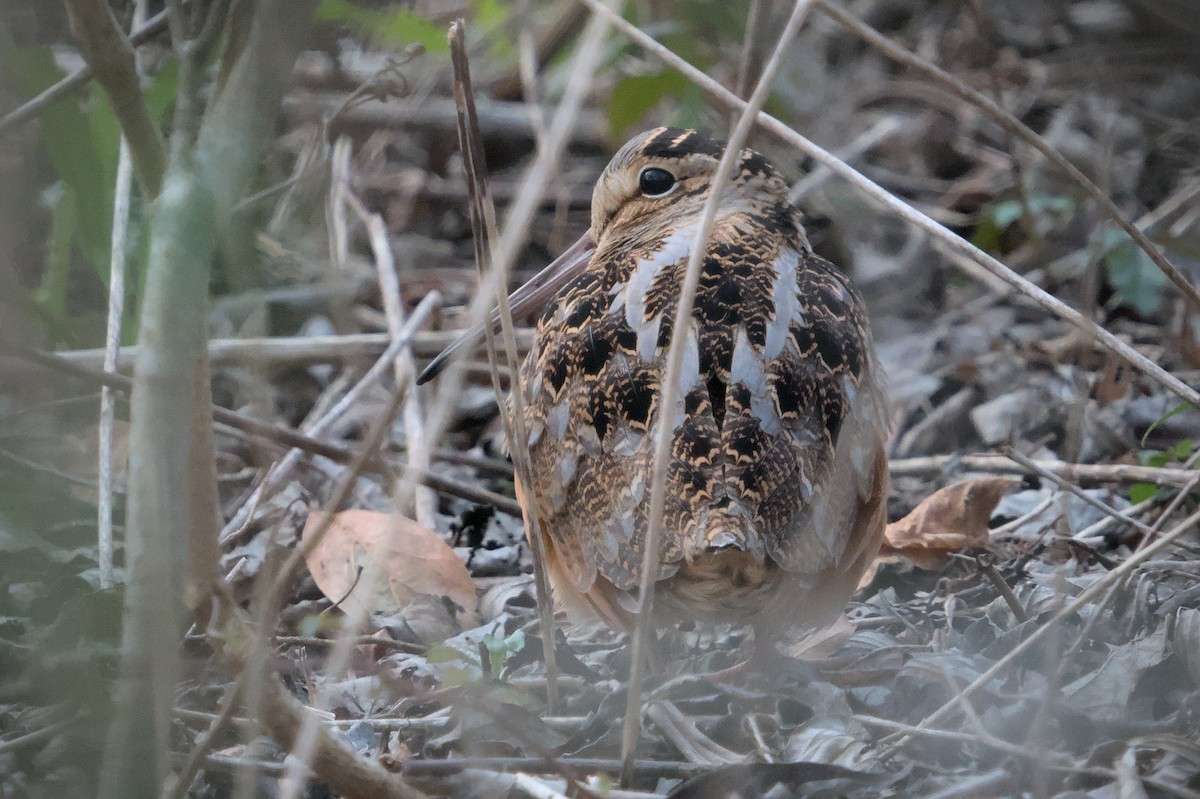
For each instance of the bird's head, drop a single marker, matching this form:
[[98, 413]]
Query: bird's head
[[656, 184], [661, 179]]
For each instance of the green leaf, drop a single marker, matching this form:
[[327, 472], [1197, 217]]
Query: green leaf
[[1130, 271], [499, 649], [999, 216], [1178, 409], [1141, 492], [486, 22], [1153, 457], [636, 95], [396, 27], [80, 137], [515, 642], [454, 676], [440, 653], [160, 91]]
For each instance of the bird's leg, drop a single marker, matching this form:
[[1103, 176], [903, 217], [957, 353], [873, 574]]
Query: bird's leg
[[763, 658]]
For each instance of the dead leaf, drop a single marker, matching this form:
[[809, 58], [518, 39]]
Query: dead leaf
[[952, 519], [379, 561], [1109, 688]]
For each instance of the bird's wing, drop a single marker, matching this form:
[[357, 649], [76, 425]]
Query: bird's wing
[[805, 416], [771, 371]]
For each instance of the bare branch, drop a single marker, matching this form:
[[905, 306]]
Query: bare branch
[[108, 52]]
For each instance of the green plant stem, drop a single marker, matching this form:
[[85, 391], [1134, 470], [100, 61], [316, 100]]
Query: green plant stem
[[161, 406]]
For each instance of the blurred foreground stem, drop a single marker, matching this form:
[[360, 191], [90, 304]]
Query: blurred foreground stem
[[170, 526], [161, 406]]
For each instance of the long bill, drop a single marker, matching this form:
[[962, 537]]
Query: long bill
[[525, 300]]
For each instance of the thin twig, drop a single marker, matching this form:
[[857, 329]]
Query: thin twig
[[483, 223], [1080, 473], [886, 200], [373, 375], [424, 504], [1071, 488], [1015, 127], [988, 568], [654, 769], [79, 78], [362, 640], [295, 350], [681, 332], [177, 786], [112, 344], [39, 735]]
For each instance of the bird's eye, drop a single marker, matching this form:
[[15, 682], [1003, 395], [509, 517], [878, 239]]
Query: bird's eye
[[655, 182]]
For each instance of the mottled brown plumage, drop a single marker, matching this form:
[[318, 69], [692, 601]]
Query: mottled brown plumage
[[777, 478]]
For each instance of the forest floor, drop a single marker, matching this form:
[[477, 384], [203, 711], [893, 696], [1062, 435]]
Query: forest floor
[[1027, 631]]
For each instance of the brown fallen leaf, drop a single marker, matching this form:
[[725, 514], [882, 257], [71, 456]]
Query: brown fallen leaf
[[951, 519], [409, 560]]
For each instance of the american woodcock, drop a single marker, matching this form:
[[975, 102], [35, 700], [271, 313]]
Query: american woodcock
[[778, 477]]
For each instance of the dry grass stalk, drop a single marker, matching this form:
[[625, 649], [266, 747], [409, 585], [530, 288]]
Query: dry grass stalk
[[122, 193], [409, 492], [112, 343], [483, 225], [664, 435], [887, 200]]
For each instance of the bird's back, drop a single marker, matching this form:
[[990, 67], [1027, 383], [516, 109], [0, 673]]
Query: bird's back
[[778, 401]]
